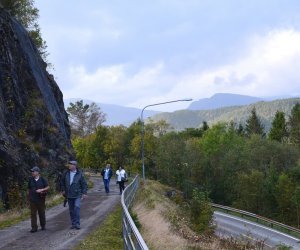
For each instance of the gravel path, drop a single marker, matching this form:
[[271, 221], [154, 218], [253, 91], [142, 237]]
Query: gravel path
[[58, 234]]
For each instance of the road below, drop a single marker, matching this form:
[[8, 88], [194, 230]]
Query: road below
[[58, 234], [238, 228]]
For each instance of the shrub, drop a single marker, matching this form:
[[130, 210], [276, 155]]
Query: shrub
[[201, 212]]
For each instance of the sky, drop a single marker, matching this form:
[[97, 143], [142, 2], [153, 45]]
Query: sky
[[138, 52]]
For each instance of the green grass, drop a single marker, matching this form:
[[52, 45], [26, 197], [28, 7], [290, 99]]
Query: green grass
[[107, 236], [14, 216]]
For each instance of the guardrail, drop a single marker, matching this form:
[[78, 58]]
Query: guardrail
[[131, 235], [258, 218], [133, 239]]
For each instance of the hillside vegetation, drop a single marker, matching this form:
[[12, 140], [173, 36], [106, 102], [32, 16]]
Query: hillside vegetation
[[242, 167], [182, 119], [166, 222]]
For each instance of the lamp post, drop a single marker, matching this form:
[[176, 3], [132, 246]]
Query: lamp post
[[142, 131]]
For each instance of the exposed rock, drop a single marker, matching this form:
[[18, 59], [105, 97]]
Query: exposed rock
[[34, 126]]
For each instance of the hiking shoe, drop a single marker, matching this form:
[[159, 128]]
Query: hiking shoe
[[77, 227], [43, 228], [33, 230], [73, 226]]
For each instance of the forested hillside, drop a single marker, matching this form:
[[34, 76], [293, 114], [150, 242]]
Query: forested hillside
[[238, 114], [239, 166]]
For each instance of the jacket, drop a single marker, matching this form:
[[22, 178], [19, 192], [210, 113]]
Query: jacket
[[109, 173], [78, 186], [33, 186]]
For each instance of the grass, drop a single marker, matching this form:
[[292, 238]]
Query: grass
[[14, 216], [107, 236], [166, 223]]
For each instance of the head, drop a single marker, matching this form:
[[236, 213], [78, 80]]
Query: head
[[35, 171], [120, 168], [107, 165], [72, 165]]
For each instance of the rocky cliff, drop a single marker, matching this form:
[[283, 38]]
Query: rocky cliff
[[34, 127]]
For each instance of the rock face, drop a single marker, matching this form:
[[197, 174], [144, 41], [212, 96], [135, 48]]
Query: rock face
[[34, 126]]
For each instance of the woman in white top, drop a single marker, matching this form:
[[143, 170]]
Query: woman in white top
[[121, 178]]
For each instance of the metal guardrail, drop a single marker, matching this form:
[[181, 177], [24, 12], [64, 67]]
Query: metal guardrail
[[133, 239], [269, 222], [131, 235]]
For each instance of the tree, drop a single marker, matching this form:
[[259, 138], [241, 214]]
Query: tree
[[253, 125], [284, 196], [201, 211], [84, 119], [204, 126], [278, 130], [159, 128], [250, 191], [169, 159], [25, 12], [294, 125], [191, 133], [116, 146]]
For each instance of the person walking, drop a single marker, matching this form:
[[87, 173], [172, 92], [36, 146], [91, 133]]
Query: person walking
[[37, 190], [74, 188], [121, 178], [106, 174]]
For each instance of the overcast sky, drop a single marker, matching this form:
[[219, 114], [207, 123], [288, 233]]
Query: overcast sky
[[139, 52]]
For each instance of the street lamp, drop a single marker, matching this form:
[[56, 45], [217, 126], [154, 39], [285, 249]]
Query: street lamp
[[142, 132]]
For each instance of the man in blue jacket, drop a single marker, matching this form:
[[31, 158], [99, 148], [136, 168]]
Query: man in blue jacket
[[106, 174], [74, 188]]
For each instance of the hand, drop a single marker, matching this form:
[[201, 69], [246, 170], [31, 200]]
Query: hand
[[39, 190], [83, 196]]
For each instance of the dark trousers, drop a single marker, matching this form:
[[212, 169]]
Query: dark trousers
[[38, 207], [106, 185], [121, 186]]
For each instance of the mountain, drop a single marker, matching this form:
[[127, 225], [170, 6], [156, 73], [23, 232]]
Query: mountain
[[34, 127], [116, 114], [221, 100], [239, 114]]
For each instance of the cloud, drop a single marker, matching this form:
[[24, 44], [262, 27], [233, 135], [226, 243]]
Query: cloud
[[115, 84], [268, 67]]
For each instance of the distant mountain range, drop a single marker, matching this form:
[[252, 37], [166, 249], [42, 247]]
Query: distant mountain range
[[222, 100], [220, 107], [239, 114], [115, 114]]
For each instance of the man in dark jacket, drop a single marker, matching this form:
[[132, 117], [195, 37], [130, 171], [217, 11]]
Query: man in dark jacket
[[106, 174], [37, 188], [74, 188]]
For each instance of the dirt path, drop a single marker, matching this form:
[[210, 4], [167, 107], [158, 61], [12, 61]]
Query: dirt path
[[58, 234]]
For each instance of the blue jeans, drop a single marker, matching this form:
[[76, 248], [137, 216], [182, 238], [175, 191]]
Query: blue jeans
[[106, 185], [74, 209]]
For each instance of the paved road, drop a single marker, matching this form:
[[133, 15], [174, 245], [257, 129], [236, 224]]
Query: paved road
[[228, 225], [58, 234]]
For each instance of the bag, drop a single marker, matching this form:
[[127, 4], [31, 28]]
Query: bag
[[43, 194], [124, 179]]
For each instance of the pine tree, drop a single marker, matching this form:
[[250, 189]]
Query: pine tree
[[294, 124], [279, 129], [253, 125]]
